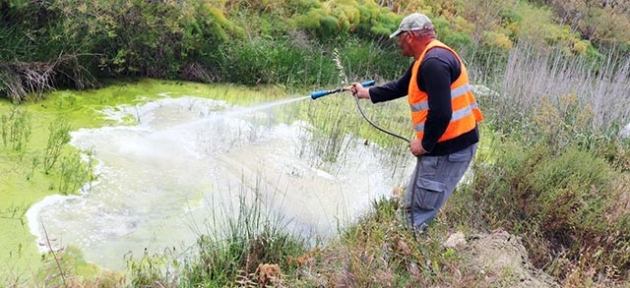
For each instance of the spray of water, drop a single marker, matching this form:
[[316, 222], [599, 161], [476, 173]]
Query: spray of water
[[264, 106], [242, 111]]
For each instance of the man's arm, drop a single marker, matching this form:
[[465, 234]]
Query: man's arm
[[391, 90]]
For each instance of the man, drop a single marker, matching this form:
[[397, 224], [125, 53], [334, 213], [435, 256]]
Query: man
[[444, 115]]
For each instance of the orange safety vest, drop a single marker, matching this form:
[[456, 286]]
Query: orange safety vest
[[466, 113]]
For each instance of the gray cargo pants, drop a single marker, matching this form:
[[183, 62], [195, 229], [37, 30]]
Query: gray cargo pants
[[432, 183]]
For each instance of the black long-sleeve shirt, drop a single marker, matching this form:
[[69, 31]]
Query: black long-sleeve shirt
[[438, 70]]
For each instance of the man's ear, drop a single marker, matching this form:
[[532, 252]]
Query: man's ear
[[409, 37]]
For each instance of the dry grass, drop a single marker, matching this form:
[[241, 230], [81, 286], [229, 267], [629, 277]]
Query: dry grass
[[532, 75], [21, 79]]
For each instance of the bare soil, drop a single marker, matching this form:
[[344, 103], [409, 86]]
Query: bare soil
[[500, 259]]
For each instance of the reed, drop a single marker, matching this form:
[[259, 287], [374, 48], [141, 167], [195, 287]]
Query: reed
[[533, 78], [243, 243]]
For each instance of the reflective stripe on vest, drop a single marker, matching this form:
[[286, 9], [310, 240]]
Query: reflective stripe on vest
[[466, 112], [423, 105]]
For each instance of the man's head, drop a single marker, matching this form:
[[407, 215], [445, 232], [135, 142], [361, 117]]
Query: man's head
[[414, 34]]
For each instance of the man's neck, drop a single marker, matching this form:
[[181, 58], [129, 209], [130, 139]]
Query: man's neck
[[422, 46]]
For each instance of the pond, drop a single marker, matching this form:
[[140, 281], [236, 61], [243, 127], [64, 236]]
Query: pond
[[178, 165]]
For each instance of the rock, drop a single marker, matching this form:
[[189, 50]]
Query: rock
[[455, 240]]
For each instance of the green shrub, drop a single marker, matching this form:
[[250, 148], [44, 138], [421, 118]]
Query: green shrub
[[265, 61]]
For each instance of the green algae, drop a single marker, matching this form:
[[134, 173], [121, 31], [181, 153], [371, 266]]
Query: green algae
[[23, 180]]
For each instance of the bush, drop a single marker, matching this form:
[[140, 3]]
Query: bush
[[566, 205]]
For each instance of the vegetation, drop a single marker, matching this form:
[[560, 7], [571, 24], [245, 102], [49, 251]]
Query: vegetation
[[553, 170], [78, 44], [15, 129], [560, 163]]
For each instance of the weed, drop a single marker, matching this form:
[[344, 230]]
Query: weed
[[74, 173], [59, 135], [15, 128], [149, 270]]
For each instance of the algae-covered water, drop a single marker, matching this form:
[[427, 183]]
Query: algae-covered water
[[174, 161]]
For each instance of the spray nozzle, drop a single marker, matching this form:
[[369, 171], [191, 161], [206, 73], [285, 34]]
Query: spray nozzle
[[323, 93]]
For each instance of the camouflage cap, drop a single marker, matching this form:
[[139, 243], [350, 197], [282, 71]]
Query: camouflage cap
[[415, 21]]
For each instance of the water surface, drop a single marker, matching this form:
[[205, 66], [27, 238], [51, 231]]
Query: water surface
[[189, 163]]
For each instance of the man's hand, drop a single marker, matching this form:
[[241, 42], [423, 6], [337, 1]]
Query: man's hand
[[415, 146], [359, 91]]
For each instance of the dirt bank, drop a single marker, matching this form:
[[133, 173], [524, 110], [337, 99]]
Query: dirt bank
[[500, 259]]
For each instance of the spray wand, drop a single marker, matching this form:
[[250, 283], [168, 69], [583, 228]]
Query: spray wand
[[322, 93]]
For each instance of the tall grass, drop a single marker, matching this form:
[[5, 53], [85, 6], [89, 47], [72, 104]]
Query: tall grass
[[573, 85], [286, 62]]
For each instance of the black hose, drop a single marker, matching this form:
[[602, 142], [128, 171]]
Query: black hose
[[374, 125], [413, 188]]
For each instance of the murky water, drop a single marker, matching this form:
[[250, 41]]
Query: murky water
[[188, 164]]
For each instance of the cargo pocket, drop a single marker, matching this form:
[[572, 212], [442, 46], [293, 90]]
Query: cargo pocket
[[430, 194]]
